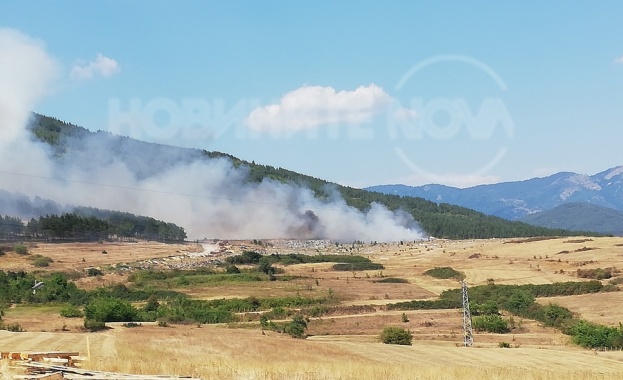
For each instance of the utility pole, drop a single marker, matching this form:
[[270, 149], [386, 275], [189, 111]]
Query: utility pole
[[468, 338]]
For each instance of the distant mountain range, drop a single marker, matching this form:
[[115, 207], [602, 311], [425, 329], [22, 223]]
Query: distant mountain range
[[520, 199]]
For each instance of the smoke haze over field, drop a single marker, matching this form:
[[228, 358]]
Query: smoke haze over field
[[210, 198]]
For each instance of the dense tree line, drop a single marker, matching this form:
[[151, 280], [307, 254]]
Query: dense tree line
[[130, 225], [87, 224], [10, 226]]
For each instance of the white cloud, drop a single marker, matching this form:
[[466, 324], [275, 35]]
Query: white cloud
[[619, 60], [101, 65], [309, 107]]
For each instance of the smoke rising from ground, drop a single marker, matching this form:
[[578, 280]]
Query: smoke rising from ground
[[210, 198]]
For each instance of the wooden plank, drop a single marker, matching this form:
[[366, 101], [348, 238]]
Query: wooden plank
[[78, 373], [43, 376], [56, 360]]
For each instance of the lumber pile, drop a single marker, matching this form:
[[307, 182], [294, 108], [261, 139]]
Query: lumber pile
[[56, 372], [69, 359], [62, 365]]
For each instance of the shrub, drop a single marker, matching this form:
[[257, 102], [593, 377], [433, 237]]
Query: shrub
[[93, 325], [14, 327], [591, 335], [266, 323], [247, 257], [20, 249], [405, 318], [487, 308], [71, 311], [504, 345], [297, 327], [40, 261], [554, 316], [163, 324], [110, 310], [491, 323], [92, 272], [396, 335], [131, 324], [596, 274], [616, 281], [232, 269], [444, 273], [265, 267], [152, 304]]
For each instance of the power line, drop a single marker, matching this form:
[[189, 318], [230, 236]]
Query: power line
[[139, 189]]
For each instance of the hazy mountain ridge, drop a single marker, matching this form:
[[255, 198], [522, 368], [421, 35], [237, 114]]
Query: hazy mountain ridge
[[515, 200], [580, 216]]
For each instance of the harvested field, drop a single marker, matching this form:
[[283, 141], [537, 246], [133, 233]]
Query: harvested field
[[343, 345]]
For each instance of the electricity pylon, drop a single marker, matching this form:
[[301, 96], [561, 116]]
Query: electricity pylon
[[468, 337]]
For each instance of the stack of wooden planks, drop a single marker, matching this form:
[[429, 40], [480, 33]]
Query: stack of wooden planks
[[69, 359], [61, 365], [56, 372]]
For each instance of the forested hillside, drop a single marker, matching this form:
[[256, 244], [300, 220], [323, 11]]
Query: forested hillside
[[580, 216], [89, 224], [439, 220]]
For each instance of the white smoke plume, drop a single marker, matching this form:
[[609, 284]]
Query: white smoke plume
[[210, 198], [26, 74]]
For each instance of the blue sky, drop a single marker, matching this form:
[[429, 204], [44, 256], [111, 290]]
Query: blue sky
[[360, 93]]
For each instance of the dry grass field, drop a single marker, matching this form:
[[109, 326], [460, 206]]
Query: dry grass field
[[344, 346]]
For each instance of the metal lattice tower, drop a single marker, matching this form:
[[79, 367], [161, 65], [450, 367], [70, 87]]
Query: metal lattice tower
[[468, 338]]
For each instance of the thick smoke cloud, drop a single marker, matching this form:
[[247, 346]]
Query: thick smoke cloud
[[210, 198]]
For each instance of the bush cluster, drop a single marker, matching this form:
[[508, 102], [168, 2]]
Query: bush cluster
[[40, 261], [444, 273], [520, 300], [491, 323], [71, 311], [357, 266], [597, 273], [396, 335], [20, 249]]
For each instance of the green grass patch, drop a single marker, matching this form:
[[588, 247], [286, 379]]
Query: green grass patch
[[357, 266], [23, 310], [392, 280], [216, 279]]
